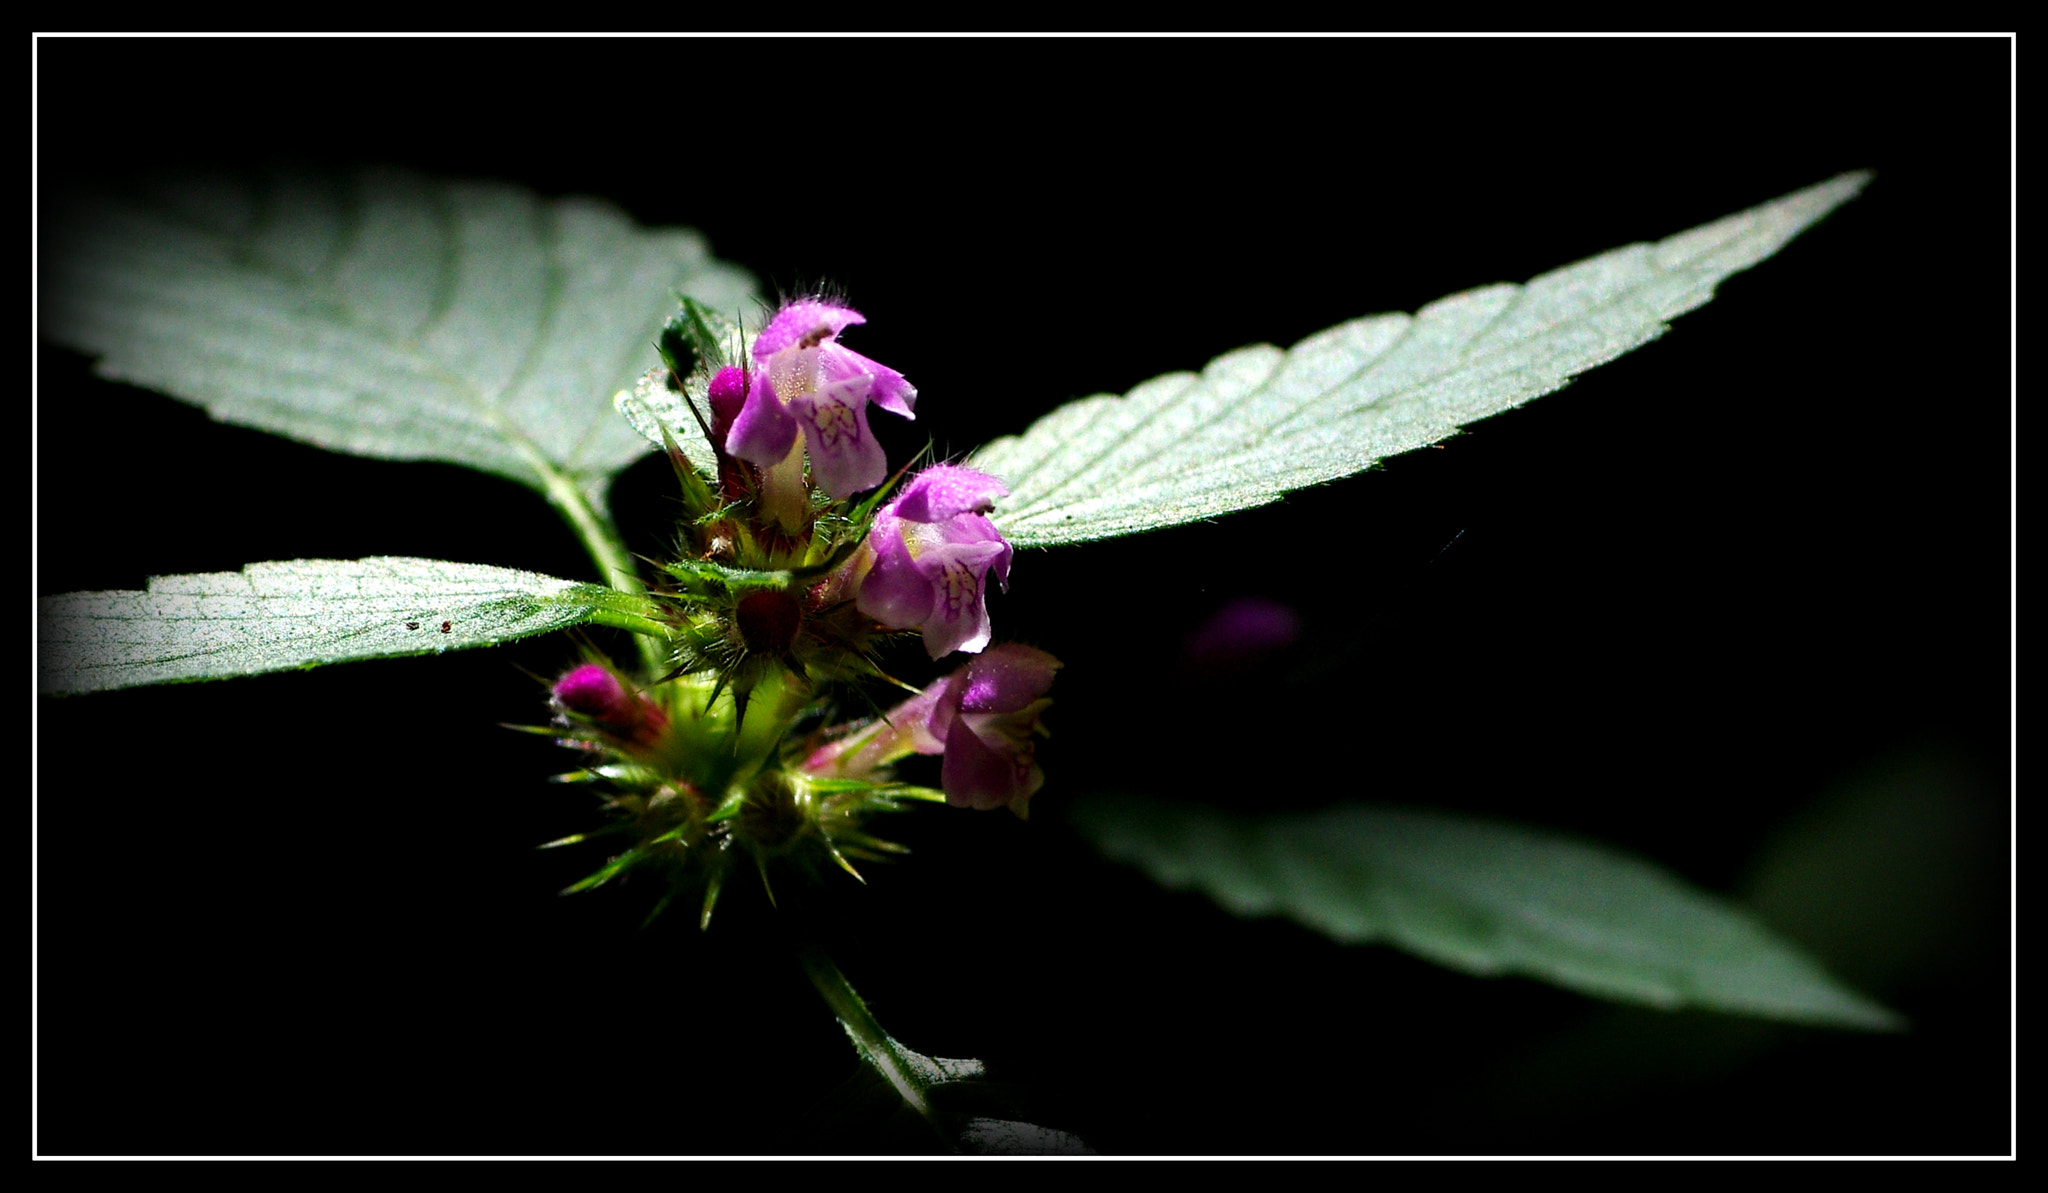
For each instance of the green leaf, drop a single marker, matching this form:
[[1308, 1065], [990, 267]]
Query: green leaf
[[384, 314], [1259, 421], [1482, 897], [302, 613]]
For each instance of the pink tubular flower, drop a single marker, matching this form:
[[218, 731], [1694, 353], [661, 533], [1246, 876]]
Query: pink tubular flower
[[805, 382], [983, 718], [989, 733], [932, 551]]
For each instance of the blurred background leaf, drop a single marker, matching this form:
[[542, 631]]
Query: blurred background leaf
[[1483, 897]]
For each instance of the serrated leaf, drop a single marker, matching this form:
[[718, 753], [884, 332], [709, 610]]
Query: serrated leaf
[[385, 314], [1259, 422], [297, 614], [1483, 897]]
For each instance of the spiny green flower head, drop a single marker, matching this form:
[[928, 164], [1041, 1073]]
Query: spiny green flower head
[[799, 556]]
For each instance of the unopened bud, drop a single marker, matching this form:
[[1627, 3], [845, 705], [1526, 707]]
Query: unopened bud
[[594, 696]]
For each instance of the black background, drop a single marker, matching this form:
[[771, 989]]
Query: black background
[[1745, 588]]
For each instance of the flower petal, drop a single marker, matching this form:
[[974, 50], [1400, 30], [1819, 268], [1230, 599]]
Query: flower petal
[[959, 616], [894, 592], [1007, 679], [984, 775], [845, 459], [945, 491], [807, 319], [891, 393]]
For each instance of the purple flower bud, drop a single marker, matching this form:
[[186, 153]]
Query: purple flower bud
[[806, 383], [983, 718], [728, 393], [932, 551], [624, 719]]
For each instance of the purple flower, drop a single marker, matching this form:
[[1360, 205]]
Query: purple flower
[[989, 732], [932, 549], [805, 382], [983, 718]]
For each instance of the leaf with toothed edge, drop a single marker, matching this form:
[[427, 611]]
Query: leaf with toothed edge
[[384, 313], [1260, 421]]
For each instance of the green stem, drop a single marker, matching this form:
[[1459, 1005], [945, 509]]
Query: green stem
[[619, 619], [771, 709], [902, 1068], [609, 552], [596, 532]]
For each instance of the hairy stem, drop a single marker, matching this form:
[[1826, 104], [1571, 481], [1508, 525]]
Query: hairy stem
[[609, 552]]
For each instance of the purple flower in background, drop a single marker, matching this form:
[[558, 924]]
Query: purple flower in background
[[983, 718], [932, 548], [804, 381], [1240, 635]]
